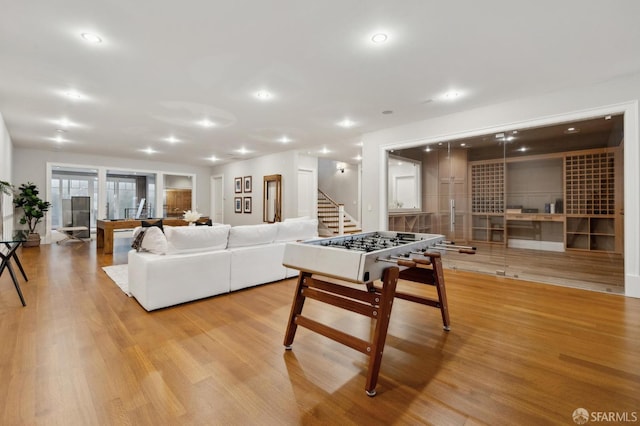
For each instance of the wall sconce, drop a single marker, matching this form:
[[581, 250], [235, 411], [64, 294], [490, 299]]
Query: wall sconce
[[341, 167]]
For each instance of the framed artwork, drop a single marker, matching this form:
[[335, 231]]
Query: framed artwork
[[247, 184], [238, 185], [247, 204], [237, 203]]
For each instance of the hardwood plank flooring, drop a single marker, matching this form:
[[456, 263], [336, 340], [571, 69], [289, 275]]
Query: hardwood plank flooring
[[595, 271], [83, 353]]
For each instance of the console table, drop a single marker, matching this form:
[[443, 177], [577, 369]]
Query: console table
[[105, 228], [8, 252]]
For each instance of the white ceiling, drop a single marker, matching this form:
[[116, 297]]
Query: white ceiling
[[165, 65]]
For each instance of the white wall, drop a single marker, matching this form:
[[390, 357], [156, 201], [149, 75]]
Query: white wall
[[31, 165], [619, 95], [341, 187], [285, 164], [6, 150]]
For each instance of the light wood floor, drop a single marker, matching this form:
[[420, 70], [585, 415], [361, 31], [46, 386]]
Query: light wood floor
[[578, 269], [83, 353]]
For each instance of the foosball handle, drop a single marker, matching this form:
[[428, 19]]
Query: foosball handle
[[407, 263], [467, 251], [431, 254], [422, 261]]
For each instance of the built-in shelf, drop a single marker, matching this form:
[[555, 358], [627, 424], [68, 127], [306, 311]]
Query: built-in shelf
[[591, 233], [410, 222], [488, 228], [584, 209]]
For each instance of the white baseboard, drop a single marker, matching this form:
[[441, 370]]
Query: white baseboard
[[536, 245]]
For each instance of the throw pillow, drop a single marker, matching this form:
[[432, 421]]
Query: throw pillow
[[147, 224], [150, 239]]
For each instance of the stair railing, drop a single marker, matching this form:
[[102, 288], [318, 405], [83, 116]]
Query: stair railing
[[342, 214]]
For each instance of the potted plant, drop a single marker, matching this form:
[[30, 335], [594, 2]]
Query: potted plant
[[33, 208]]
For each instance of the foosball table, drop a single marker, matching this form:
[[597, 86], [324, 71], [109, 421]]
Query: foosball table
[[366, 258]]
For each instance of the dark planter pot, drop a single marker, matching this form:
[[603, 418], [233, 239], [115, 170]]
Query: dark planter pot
[[32, 241]]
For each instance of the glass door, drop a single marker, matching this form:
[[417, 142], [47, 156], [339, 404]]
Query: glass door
[[121, 197]]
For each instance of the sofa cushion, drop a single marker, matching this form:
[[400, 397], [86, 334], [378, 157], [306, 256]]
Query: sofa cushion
[[297, 230], [251, 235], [192, 239], [293, 219], [149, 239]]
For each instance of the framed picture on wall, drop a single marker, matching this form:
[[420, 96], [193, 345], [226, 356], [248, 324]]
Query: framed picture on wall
[[237, 202], [238, 185], [247, 204], [247, 184]]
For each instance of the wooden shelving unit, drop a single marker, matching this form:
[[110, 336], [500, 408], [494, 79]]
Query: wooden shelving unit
[[589, 198], [590, 194], [487, 202], [487, 228], [487, 187], [410, 222]]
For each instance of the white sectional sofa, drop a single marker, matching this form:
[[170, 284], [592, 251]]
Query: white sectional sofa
[[186, 263]]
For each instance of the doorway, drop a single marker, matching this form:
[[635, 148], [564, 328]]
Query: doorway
[[541, 204]]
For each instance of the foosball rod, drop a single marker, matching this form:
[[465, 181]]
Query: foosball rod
[[403, 262], [453, 244], [412, 259], [459, 250]]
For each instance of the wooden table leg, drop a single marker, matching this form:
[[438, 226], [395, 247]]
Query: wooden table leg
[[438, 277], [296, 309], [99, 238], [389, 283]]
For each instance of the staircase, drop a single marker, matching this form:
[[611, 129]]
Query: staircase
[[329, 218]]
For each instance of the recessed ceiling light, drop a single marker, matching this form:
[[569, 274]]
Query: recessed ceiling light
[[63, 123], [387, 112], [60, 139], [61, 130], [358, 157], [379, 38], [213, 158], [325, 150], [284, 139], [451, 95], [91, 38], [263, 95], [346, 123], [243, 151], [427, 149], [73, 94], [148, 150], [463, 144], [206, 123], [172, 139]]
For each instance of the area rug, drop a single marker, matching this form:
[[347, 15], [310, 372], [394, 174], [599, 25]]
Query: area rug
[[119, 274]]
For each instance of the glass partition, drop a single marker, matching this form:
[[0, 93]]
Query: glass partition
[[542, 204], [130, 195], [178, 195], [69, 182]]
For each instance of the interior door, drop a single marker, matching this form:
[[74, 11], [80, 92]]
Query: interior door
[[307, 195], [217, 199]]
